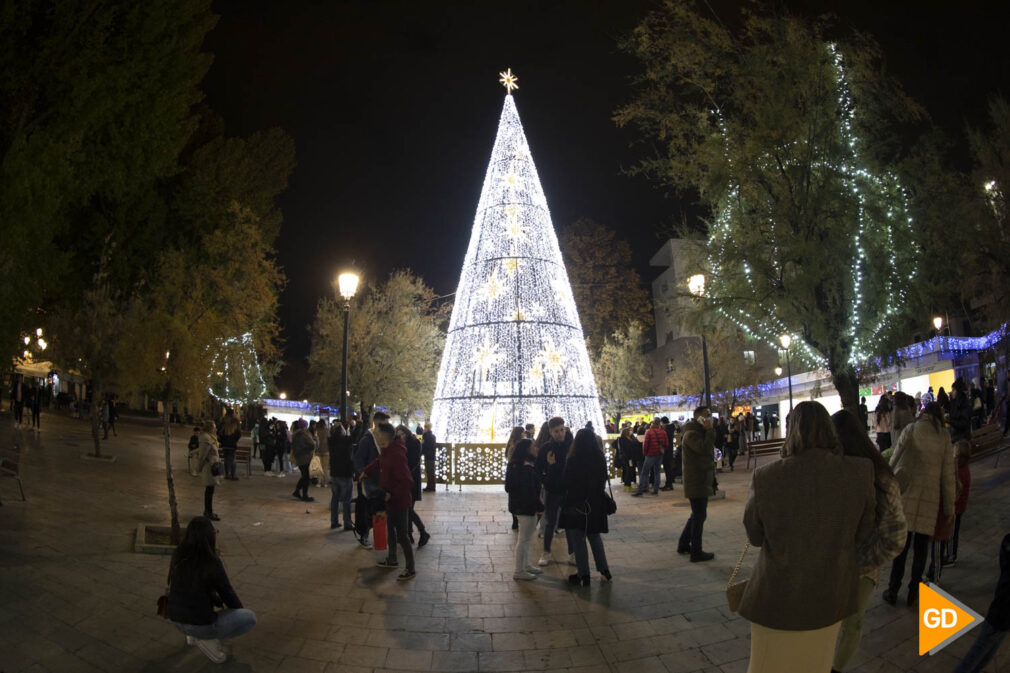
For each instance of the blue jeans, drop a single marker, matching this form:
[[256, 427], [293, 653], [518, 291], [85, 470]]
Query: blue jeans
[[577, 539], [983, 650], [552, 510], [341, 488], [229, 624], [651, 465]]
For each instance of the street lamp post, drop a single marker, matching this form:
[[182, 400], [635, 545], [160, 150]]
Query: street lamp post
[[786, 342], [348, 285], [696, 285]]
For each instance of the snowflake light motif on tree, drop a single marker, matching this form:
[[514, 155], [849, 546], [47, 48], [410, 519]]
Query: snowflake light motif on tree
[[514, 324]]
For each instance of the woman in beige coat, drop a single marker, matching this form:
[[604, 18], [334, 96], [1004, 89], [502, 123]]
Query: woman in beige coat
[[208, 457], [810, 513], [923, 462]]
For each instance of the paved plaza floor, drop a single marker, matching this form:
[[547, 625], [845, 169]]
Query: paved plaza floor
[[74, 596]]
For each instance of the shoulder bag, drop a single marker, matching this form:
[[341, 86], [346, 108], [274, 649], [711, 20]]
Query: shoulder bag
[[735, 589], [609, 504]]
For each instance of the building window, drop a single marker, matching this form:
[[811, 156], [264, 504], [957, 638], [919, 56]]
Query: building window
[[669, 365], [748, 357]]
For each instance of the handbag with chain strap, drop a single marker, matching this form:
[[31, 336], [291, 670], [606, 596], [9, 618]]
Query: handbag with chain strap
[[735, 589]]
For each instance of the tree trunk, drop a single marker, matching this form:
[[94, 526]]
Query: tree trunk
[[95, 412], [172, 505], [847, 384]]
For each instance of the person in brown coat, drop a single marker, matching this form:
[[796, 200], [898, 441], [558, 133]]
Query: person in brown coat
[[923, 462], [810, 513]]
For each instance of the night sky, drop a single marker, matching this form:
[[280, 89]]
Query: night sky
[[393, 107]]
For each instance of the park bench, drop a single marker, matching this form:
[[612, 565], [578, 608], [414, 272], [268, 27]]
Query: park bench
[[766, 447], [243, 454], [986, 442], [10, 466]]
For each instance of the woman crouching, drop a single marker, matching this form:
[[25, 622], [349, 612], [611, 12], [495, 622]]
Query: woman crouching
[[197, 584]]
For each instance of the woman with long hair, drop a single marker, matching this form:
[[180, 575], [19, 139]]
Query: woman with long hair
[[810, 513], [207, 458], [303, 447], [228, 437], [197, 584], [923, 462], [582, 512], [518, 433], [628, 451], [543, 436], [890, 532], [522, 483]]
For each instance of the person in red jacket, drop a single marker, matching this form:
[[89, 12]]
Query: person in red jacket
[[395, 480], [653, 449]]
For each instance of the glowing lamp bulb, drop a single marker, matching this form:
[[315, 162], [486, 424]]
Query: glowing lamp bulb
[[348, 284], [937, 323], [38, 332], [284, 396], [778, 371], [696, 284], [786, 341]]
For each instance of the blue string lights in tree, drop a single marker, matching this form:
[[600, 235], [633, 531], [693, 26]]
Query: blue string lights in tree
[[515, 351]]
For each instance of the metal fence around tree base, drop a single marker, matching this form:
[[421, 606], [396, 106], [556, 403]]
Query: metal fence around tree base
[[477, 463]]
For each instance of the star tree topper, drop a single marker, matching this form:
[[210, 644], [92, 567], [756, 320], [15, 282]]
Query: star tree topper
[[508, 80]]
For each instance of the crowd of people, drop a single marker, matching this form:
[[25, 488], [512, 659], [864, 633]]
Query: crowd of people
[[852, 508]]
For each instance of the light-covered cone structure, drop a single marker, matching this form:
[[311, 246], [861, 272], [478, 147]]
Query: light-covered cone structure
[[514, 352]]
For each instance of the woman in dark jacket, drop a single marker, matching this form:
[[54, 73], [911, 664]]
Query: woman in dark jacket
[[522, 483], [197, 584], [303, 447], [413, 445], [629, 449], [582, 512]]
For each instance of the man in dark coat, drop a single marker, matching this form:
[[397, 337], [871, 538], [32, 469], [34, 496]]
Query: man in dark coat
[[698, 454], [428, 449], [551, 465], [671, 430], [414, 463]]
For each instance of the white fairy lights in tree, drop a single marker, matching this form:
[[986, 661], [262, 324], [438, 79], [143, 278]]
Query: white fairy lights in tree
[[235, 376], [514, 352], [883, 219]]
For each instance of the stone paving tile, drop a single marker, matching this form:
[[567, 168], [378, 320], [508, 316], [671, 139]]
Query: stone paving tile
[[74, 597]]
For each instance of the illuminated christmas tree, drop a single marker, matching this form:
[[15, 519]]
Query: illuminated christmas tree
[[514, 352], [235, 377]]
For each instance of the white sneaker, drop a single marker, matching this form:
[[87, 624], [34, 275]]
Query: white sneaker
[[533, 569], [212, 648], [571, 559], [190, 640], [545, 559], [523, 575]]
